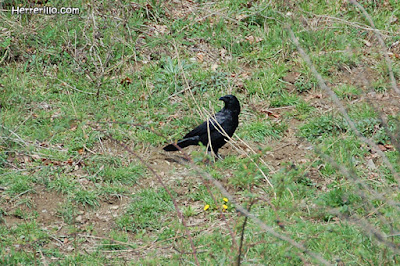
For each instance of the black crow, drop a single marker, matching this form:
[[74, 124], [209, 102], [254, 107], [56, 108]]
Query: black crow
[[217, 127]]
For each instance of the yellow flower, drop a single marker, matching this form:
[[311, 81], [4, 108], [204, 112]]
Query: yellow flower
[[206, 207], [225, 199], [224, 207]]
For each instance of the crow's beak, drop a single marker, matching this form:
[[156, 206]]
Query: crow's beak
[[222, 98]]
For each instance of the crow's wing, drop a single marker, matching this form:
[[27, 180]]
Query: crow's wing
[[221, 118]]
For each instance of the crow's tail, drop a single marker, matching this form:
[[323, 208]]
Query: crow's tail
[[182, 143]]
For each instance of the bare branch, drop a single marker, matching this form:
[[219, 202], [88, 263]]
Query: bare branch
[[340, 106]]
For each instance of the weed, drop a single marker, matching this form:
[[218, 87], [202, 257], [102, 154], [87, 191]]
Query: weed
[[347, 92], [322, 126]]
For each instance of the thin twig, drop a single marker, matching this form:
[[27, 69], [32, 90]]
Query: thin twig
[[358, 181], [342, 109], [382, 44], [242, 234], [260, 223], [371, 230]]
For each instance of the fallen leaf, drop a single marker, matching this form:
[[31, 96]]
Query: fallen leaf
[[394, 55], [46, 161], [241, 17], [30, 50], [382, 147], [35, 157], [367, 43], [126, 81], [149, 7], [55, 114], [313, 96], [393, 19], [269, 113], [56, 162], [393, 45], [280, 224], [251, 39], [389, 147], [240, 86], [245, 75], [135, 6], [291, 77], [161, 29], [222, 53], [200, 57], [27, 159]]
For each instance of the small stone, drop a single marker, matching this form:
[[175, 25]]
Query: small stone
[[79, 219]]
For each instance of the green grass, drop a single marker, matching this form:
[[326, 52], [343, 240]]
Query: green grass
[[260, 130], [145, 211], [144, 73], [347, 92], [323, 126]]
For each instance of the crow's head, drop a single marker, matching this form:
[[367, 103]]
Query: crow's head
[[231, 103]]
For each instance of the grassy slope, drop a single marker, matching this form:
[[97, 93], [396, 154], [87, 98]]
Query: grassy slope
[[68, 81]]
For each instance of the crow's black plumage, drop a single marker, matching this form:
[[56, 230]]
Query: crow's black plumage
[[217, 128]]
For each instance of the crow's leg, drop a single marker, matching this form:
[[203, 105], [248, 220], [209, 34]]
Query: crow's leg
[[214, 154]]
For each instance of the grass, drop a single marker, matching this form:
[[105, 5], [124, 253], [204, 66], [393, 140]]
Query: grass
[[71, 195]]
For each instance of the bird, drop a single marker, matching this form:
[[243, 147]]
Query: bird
[[217, 128]]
